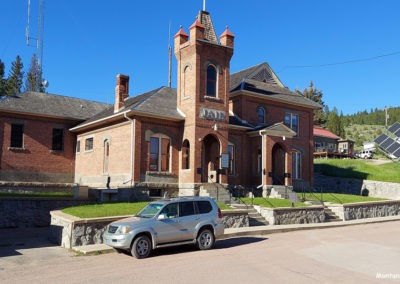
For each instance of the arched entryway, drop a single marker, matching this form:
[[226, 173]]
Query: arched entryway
[[278, 165], [210, 159]]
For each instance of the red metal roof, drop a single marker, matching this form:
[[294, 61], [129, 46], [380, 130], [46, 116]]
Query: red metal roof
[[322, 132]]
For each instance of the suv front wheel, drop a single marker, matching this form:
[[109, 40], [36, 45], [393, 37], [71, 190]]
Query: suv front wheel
[[205, 239], [141, 247]]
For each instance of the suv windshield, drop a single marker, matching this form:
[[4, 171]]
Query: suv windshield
[[150, 210]]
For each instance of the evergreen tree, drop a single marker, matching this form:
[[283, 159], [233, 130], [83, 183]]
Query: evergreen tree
[[315, 95], [333, 122], [2, 81], [34, 80], [14, 80]]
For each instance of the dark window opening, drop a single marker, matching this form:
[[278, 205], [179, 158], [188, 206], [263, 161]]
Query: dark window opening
[[211, 81], [89, 144], [185, 155], [17, 135], [58, 140]]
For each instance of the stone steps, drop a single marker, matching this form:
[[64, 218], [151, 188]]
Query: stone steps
[[255, 218], [330, 216]]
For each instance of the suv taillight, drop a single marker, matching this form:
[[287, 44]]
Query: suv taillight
[[219, 213]]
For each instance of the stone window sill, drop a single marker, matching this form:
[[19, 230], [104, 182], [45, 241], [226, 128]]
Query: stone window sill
[[214, 99], [16, 149]]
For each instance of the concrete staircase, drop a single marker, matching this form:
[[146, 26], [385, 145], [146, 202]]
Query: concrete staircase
[[330, 216], [216, 191], [255, 218], [283, 192]]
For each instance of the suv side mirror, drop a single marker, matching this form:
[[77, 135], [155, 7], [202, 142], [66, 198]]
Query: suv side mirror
[[162, 217]]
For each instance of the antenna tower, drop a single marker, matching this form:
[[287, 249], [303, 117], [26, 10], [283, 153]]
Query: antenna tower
[[40, 31], [169, 57]]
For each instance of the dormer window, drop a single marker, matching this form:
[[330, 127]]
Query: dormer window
[[211, 81], [260, 115]]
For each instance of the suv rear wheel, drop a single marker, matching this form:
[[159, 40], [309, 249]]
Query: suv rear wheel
[[141, 247], [205, 239]]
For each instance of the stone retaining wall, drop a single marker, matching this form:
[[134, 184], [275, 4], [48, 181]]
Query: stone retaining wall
[[69, 231], [31, 211], [296, 215], [389, 190], [364, 210]]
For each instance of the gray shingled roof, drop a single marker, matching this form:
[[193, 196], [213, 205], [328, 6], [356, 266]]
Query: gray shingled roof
[[160, 102], [262, 79], [43, 104]]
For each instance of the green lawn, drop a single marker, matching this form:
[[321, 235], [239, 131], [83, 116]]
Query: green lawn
[[111, 209], [105, 209], [272, 202], [360, 169], [338, 198]]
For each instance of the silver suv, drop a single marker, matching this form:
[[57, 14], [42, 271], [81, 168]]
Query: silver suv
[[165, 223]]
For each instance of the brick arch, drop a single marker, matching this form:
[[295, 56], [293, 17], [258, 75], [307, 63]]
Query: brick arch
[[210, 158]]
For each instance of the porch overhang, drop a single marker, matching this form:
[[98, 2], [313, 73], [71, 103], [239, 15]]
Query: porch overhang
[[278, 129]]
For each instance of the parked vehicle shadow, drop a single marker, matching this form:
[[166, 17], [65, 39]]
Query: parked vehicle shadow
[[220, 244], [237, 241], [14, 239]]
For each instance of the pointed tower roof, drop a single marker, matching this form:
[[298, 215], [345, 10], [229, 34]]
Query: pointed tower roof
[[209, 33]]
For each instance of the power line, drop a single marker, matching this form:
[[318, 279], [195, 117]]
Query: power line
[[340, 63]]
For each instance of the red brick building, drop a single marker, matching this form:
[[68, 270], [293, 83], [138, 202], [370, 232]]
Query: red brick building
[[35, 142], [220, 128]]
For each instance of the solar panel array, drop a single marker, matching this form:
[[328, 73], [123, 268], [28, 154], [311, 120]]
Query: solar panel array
[[388, 144], [395, 129]]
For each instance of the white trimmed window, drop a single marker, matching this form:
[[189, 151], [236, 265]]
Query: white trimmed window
[[159, 153], [89, 144], [292, 121], [296, 165], [211, 81]]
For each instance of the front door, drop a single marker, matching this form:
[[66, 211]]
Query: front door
[[210, 159], [278, 165]]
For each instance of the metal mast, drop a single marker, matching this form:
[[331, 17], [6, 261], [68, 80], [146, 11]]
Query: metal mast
[[40, 31], [169, 57]]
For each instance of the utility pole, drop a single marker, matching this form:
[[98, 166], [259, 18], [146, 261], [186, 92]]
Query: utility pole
[[386, 116]]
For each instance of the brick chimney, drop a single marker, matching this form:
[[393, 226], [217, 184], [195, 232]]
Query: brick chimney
[[121, 91]]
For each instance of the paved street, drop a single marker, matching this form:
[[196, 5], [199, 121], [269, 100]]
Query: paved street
[[352, 254]]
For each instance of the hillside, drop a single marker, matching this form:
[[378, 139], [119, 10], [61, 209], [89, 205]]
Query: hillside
[[363, 133]]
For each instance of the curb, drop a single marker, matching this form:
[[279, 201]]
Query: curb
[[256, 231]]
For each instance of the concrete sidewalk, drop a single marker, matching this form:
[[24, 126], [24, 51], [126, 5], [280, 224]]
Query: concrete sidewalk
[[257, 231]]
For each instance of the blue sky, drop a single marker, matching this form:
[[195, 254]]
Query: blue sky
[[350, 49]]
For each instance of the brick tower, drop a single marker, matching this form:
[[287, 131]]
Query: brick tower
[[203, 66]]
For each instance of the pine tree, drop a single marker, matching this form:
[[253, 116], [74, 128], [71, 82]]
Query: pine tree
[[333, 122], [315, 95], [14, 80], [34, 80], [2, 81]]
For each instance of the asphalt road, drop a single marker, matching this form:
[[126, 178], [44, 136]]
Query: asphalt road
[[354, 254]]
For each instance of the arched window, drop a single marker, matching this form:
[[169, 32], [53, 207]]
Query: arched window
[[185, 80], [185, 155], [159, 153], [260, 115], [211, 81]]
